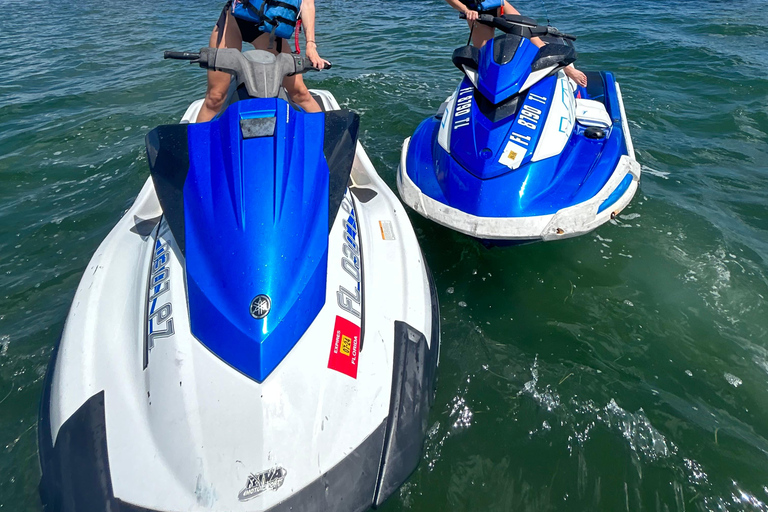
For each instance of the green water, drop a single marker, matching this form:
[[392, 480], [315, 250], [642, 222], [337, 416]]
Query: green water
[[623, 370]]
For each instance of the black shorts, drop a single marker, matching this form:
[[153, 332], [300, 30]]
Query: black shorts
[[248, 29]]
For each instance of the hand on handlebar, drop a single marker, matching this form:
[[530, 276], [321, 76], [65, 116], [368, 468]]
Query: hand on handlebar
[[471, 15], [315, 59]]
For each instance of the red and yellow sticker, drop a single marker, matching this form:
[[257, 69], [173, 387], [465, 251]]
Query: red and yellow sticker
[[345, 347]]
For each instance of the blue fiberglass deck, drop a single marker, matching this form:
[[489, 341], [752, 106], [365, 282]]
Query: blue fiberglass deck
[[246, 205], [481, 186]]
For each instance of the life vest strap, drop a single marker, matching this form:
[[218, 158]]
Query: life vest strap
[[285, 21], [275, 17], [278, 3]]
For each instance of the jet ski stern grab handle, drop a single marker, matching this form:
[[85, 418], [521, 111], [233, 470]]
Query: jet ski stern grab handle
[[260, 71]]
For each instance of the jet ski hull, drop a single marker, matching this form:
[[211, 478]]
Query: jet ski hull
[[566, 192], [337, 425]]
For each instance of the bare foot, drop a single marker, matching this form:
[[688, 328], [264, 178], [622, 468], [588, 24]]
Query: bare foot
[[576, 75]]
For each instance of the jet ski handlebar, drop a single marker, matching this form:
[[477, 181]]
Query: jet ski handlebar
[[552, 31], [194, 57], [246, 67], [520, 25], [201, 57]]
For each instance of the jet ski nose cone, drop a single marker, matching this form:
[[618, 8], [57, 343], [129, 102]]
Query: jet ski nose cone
[[260, 306]]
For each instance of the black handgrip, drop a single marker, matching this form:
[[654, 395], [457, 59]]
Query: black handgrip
[[488, 18], [552, 31], [182, 56], [309, 67], [483, 18]]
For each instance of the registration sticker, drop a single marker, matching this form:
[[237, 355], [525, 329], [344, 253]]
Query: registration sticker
[[345, 347], [513, 155]]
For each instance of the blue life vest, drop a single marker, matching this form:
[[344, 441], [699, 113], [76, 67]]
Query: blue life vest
[[488, 5], [483, 5], [274, 17]]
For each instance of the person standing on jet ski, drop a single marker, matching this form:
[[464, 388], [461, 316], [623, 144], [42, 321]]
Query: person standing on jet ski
[[232, 29], [481, 34]]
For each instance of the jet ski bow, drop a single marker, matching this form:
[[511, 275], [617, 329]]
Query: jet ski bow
[[519, 152]]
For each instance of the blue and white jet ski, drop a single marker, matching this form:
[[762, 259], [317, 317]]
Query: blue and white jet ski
[[519, 152], [258, 332]]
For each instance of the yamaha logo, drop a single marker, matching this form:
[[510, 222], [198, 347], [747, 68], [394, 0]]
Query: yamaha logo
[[260, 306]]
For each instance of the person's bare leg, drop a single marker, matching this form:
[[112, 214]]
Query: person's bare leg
[[218, 81], [570, 71], [299, 93], [294, 85], [508, 9], [481, 34], [576, 75]]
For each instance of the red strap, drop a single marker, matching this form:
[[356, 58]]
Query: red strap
[[298, 28]]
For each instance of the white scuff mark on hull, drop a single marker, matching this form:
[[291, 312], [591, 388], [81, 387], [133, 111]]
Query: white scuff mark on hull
[[205, 492]]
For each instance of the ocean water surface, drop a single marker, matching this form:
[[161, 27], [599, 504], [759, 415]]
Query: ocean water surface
[[623, 370]]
